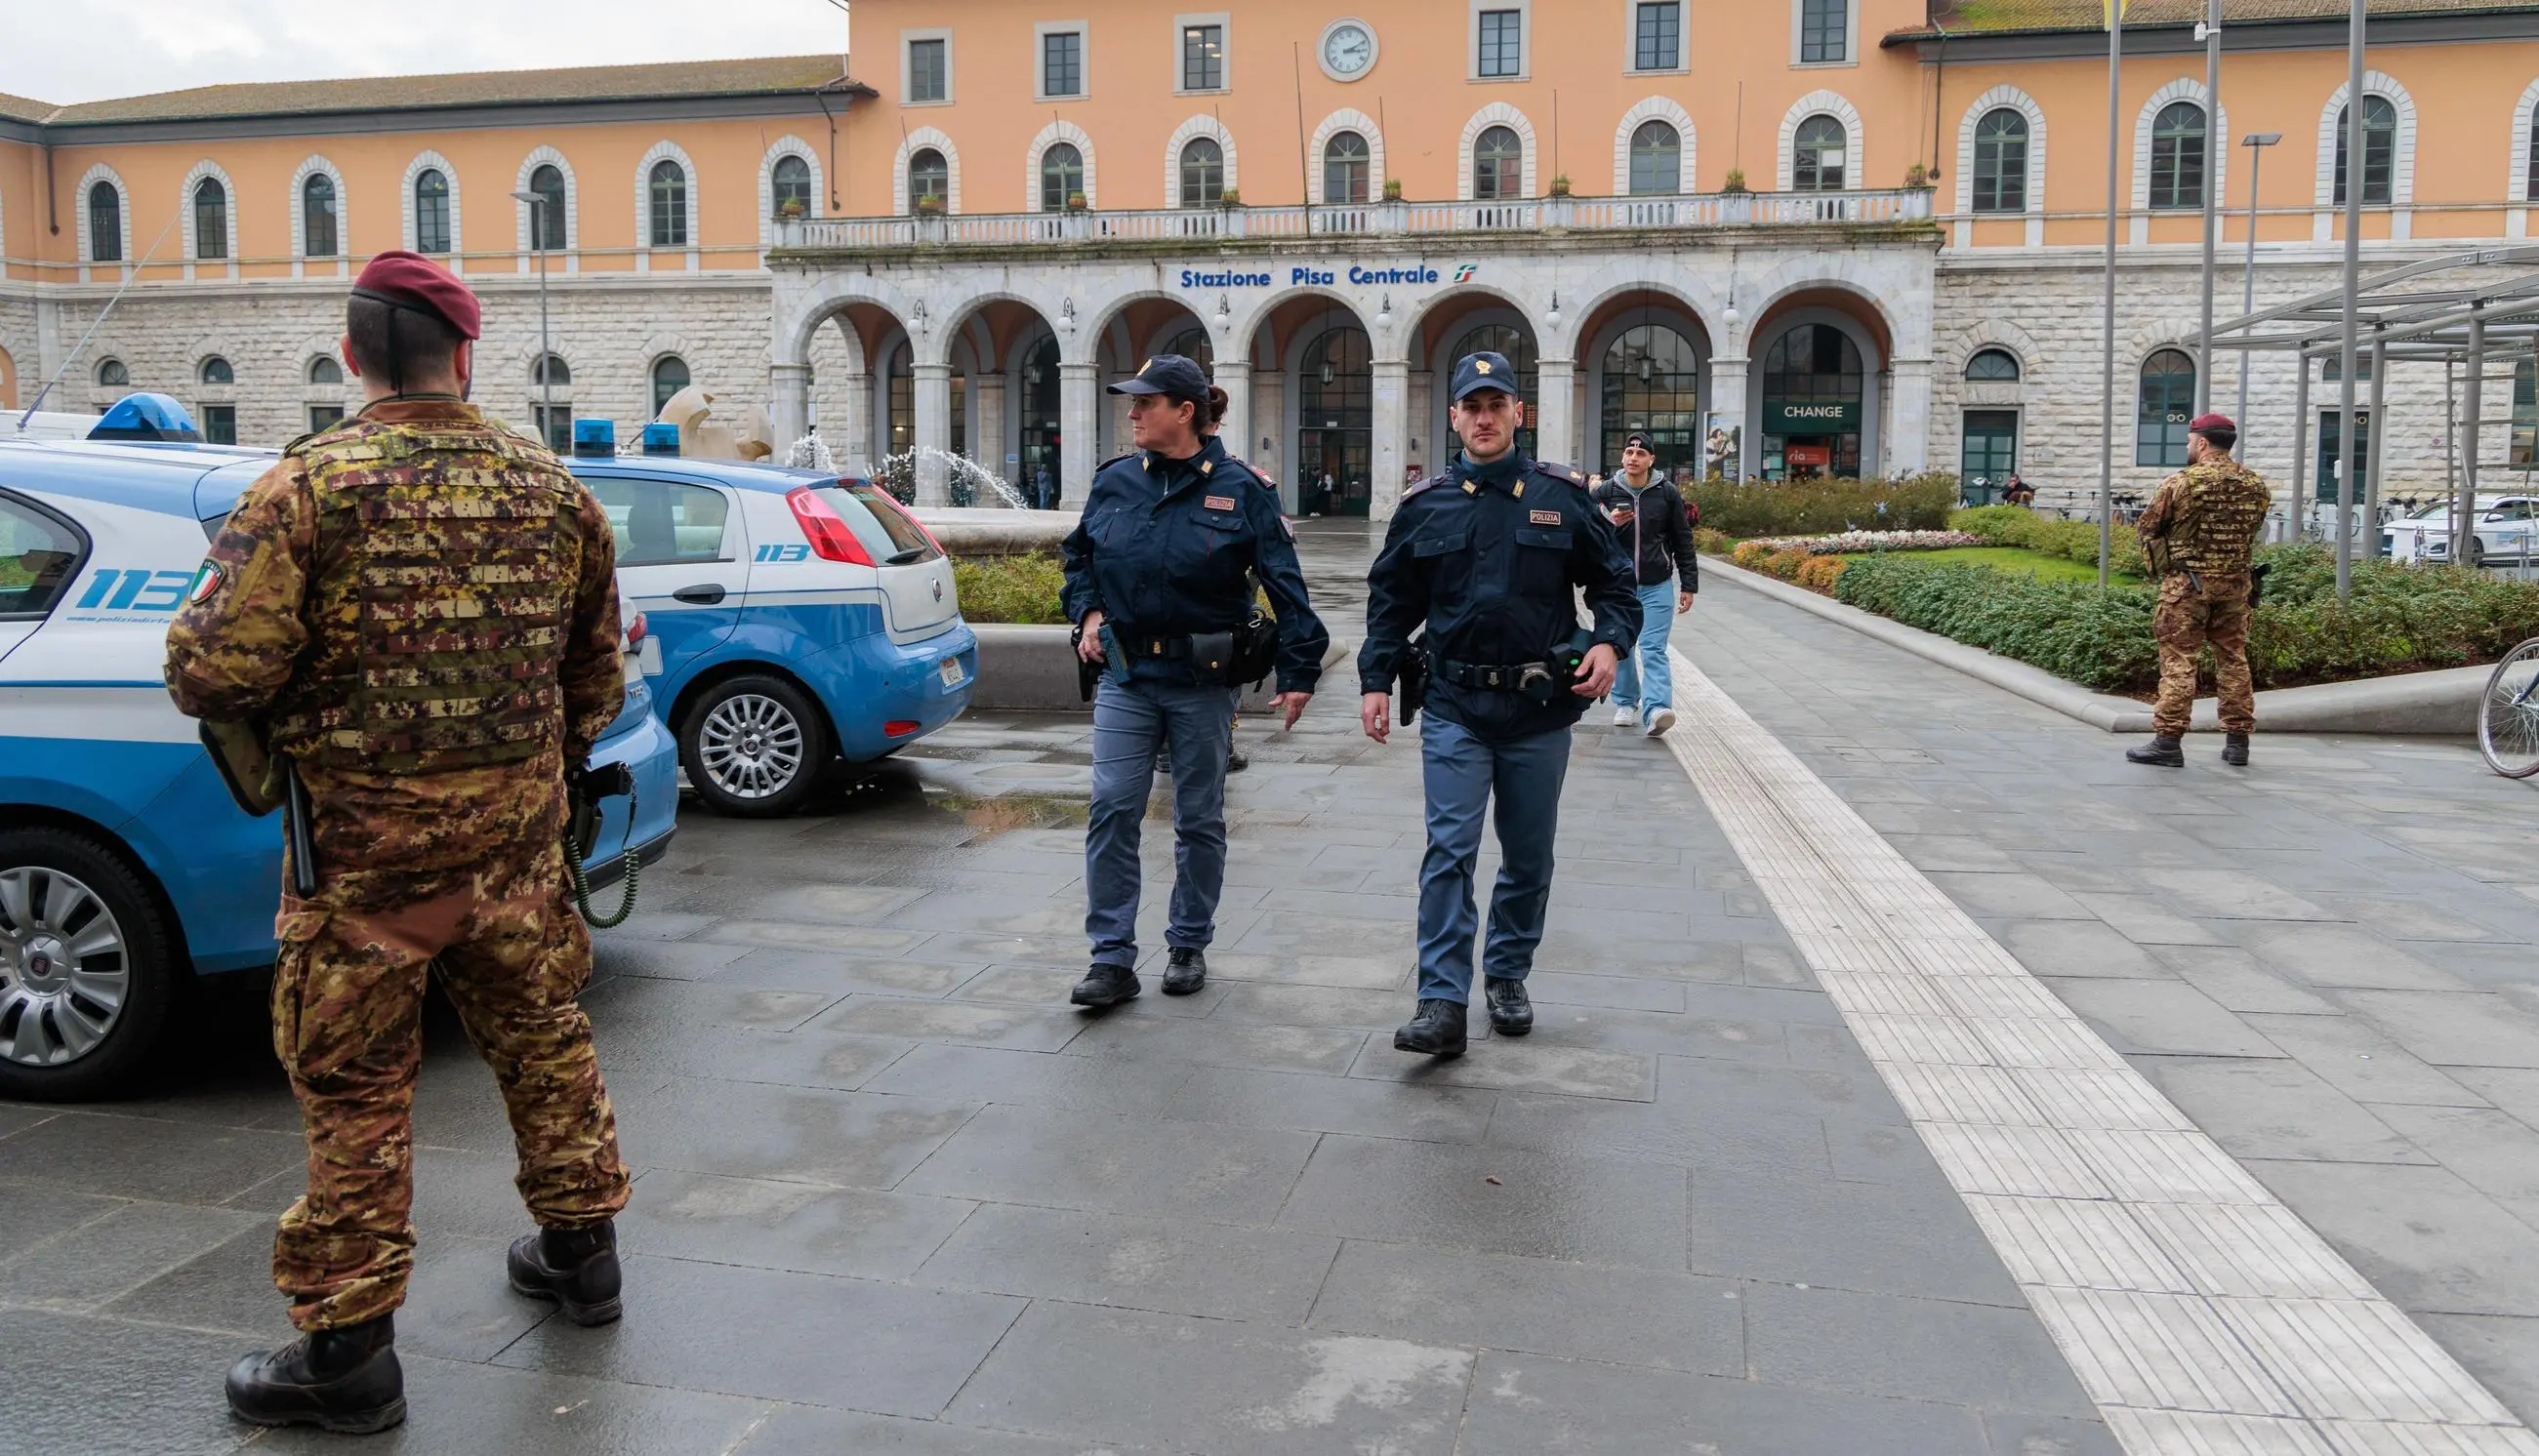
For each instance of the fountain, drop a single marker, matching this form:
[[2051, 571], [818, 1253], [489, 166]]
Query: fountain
[[926, 476]]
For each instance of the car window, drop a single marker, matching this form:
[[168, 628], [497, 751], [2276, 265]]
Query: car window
[[662, 522], [39, 554], [889, 534]]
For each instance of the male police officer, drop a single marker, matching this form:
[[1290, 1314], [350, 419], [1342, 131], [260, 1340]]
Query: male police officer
[[418, 608], [1159, 583], [1487, 556], [2199, 532]]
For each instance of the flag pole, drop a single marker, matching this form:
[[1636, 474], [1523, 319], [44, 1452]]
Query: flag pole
[[2115, 10]]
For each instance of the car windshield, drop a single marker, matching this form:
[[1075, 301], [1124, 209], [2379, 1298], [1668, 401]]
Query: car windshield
[[889, 533]]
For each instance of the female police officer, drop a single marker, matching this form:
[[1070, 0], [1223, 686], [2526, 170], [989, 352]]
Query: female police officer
[[1158, 572]]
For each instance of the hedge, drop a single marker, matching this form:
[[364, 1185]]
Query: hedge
[[1018, 590], [1813, 507], [2396, 618]]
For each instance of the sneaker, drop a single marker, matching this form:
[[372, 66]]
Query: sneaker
[[1626, 717], [1660, 722]]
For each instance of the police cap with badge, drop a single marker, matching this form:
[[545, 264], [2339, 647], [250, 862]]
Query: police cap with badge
[[1171, 376]]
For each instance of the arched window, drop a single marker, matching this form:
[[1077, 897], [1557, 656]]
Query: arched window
[[1817, 154], [2168, 406], [930, 175], [1815, 404], [1657, 159], [1499, 165], [1992, 364], [1194, 344], [546, 218], [551, 401], [1203, 172], [2000, 162], [1346, 161], [216, 370], [667, 186], [1061, 175], [324, 371], [112, 374], [2380, 149], [1336, 420], [788, 187], [1652, 384], [551, 370], [104, 224], [318, 232], [211, 219], [1514, 345], [670, 376], [2530, 181], [2177, 156], [431, 211]]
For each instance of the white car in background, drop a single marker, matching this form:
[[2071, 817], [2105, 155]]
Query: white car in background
[[2505, 531]]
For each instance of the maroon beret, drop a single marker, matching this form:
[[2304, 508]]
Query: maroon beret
[[2208, 423], [412, 281]]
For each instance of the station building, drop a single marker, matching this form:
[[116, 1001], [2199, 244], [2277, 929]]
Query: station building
[[1792, 238]]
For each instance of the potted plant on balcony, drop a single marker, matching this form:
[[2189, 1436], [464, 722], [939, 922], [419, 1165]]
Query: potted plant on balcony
[[791, 210], [1075, 202], [1560, 185], [930, 206], [1735, 185], [1393, 189], [1917, 178], [1231, 197]]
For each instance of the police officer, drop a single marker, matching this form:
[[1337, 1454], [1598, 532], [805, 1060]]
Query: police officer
[[1159, 580], [419, 609], [1487, 556], [2199, 533]]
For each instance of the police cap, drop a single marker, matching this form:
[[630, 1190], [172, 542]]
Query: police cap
[[1168, 374], [411, 281], [1474, 372]]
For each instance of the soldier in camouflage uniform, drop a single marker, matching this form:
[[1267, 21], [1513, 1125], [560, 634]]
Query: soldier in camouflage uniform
[[2198, 535], [418, 608]]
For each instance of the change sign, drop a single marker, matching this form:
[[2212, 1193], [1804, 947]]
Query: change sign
[[1811, 416]]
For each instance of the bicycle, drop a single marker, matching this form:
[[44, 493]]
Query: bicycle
[[2508, 720]]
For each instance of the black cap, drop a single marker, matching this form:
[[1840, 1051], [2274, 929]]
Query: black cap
[[1635, 437], [1167, 374], [1484, 370]]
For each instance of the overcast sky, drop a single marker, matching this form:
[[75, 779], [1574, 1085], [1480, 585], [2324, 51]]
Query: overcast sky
[[84, 50]]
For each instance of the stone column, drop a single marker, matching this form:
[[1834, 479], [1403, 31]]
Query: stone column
[[1432, 450], [1390, 434], [1234, 376], [1078, 400], [1728, 405], [933, 439], [1555, 425], [790, 412], [854, 441], [1908, 416], [987, 443]]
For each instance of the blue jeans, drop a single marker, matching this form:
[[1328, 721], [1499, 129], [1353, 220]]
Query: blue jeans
[[1645, 679], [1461, 771], [1129, 726]]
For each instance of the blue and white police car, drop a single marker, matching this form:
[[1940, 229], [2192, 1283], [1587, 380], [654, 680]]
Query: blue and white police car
[[797, 619], [125, 868]]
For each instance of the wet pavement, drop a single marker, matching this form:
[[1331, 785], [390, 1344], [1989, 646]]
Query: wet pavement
[[893, 1195]]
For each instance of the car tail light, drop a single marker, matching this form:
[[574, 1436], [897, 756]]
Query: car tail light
[[827, 531], [637, 631], [898, 728]]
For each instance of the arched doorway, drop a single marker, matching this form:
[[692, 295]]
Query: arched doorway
[[1652, 384], [1516, 344], [1039, 411], [1336, 419], [1815, 404]]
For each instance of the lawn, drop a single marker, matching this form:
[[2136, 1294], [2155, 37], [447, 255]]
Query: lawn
[[2034, 564]]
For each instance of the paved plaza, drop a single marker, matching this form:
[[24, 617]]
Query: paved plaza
[[894, 1196]]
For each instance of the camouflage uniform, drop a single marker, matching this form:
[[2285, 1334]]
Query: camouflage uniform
[[2198, 533], [421, 606]]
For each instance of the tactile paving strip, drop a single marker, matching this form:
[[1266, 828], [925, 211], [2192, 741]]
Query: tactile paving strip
[[2201, 1314]]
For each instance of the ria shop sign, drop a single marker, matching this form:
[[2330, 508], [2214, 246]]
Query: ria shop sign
[[1811, 416]]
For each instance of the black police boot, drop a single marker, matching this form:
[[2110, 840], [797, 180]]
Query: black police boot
[[1436, 1030], [1105, 985], [1235, 761], [1186, 971], [2234, 749], [1511, 1009], [2163, 750], [344, 1380], [577, 1267]]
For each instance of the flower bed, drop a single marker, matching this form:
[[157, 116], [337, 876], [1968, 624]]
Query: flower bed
[[1856, 543]]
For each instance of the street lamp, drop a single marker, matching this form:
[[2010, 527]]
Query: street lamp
[[546, 352], [2256, 142]]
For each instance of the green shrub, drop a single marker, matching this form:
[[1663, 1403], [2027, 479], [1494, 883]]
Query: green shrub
[[2072, 630], [1711, 543], [1815, 507], [1016, 589], [2075, 541]]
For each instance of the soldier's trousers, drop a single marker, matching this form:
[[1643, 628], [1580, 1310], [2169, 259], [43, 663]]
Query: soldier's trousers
[[2190, 616], [346, 1023]]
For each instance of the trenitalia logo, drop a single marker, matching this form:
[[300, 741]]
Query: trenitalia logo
[[1465, 273]]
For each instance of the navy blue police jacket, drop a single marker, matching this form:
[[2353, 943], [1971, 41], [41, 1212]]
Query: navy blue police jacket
[[1169, 547], [1488, 557]]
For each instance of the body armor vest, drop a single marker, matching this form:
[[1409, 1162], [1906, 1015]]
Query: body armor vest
[[442, 599], [2220, 510]]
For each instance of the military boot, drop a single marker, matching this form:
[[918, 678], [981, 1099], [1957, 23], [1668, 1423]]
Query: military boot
[[1186, 971], [1438, 1029], [2162, 751], [577, 1267], [1511, 1009], [2234, 749], [1105, 985], [344, 1380]]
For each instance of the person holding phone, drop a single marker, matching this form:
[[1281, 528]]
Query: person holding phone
[[1645, 508]]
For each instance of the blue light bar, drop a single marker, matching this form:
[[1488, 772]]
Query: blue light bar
[[660, 439], [595, 436], [147, 417]]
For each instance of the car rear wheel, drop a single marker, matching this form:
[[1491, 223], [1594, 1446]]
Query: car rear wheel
[[87, 967], [754, 746], [2476, 552]]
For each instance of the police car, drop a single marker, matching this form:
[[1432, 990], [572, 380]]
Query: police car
[[124, 865], [2505, 532], [797, 618]]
